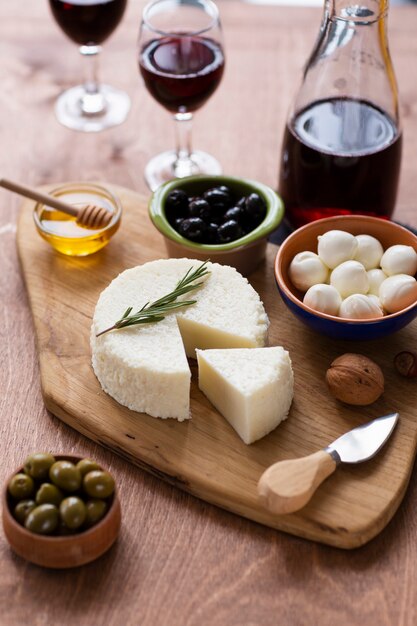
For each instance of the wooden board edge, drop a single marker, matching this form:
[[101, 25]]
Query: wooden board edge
[[303, 527], [307, 529]]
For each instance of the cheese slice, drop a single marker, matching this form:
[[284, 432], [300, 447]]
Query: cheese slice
[[145, 367], [253, 389]]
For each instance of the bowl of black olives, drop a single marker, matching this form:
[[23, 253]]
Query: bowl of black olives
[[60, 511], [221, 218]]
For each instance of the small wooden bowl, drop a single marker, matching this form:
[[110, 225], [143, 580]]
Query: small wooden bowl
[[67, 551]]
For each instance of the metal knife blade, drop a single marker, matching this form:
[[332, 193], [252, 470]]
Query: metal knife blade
[[288, 485], [363, 442]]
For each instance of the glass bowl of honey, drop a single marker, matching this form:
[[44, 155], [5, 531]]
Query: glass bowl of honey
[[62, 231]]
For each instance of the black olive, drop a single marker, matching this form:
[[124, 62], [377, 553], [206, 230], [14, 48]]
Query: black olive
[[255, 207], [229, 231], [177, 200], [211, 235], [218, 199], [227, 191], [177, 223], [216, 219], [248, 225], [241, 203], [176, 205], [234, 213], [199, 208], [192, 228]]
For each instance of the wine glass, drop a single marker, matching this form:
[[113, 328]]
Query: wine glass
[[90, 107], [181, 61]]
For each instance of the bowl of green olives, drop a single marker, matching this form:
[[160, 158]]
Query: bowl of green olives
[[60, 511], [221, 218]]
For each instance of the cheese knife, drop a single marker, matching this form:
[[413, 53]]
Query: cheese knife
[[287, 486]]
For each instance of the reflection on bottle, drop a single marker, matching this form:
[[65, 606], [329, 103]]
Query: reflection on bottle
[[342, 145]]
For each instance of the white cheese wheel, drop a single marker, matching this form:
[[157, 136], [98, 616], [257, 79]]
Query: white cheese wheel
[[252, 389], [144, 367]]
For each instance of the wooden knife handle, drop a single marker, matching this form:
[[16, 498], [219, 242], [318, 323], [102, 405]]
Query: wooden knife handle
[[287, 486]]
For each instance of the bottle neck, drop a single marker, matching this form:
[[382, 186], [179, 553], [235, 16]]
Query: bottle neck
[[351, 59], [363, 12]]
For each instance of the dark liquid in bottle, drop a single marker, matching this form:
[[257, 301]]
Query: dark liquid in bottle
[[181, 73], [88, 21], [339, 157]]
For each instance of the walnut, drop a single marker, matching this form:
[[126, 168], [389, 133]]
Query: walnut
[[355, 379], [406, 364]]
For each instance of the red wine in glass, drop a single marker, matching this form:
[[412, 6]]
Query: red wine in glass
[[88, 22], [340, 157], [90, 107], [181, 73], [181, 61]]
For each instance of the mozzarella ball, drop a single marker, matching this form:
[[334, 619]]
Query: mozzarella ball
[[376, 300], [399, 260], [398, 292], [336, 246], [323, 298], [350, 277], [306, 269], [376, 278], [369, 251], [358, 306]]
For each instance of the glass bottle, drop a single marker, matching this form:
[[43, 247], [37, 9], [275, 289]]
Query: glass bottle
[[341, 152]]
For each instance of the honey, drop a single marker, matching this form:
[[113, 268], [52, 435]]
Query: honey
[[63, 233]]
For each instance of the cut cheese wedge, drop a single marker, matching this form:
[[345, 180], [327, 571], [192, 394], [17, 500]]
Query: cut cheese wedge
[[145, 367], [252, 389]]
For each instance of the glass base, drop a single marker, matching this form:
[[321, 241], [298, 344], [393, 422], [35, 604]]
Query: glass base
[[107, 109], [165, 166]]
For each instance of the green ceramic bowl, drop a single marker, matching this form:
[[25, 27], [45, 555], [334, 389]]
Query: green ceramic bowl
[[245, 253]]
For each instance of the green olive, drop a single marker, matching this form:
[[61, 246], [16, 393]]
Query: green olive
[[21, 486], [65, 475], [98, 484], [72, 511], [22, 510], [48, 493], [37, 465], [64, 531], [87, 465], [96, 510], [43, 520]]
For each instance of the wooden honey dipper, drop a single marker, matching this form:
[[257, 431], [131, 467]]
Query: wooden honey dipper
[[89, 216]]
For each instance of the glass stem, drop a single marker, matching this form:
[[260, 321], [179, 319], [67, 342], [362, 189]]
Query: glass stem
[[183, 165], [92, 101]]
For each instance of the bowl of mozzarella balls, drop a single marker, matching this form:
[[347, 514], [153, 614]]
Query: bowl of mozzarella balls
[[350, 277]]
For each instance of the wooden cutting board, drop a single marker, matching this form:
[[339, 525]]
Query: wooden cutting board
[[204, 456]]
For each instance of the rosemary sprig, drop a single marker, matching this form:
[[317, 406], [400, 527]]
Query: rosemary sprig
[[154, 312]]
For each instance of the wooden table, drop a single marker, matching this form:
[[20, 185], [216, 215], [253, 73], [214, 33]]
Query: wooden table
[[179, 561]]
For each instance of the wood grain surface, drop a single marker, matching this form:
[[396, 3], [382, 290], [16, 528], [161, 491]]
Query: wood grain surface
[[205, 456], [179, 561]]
